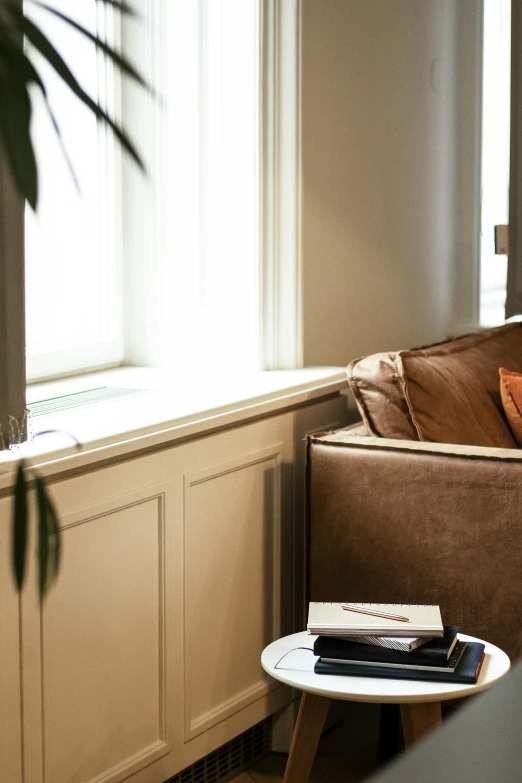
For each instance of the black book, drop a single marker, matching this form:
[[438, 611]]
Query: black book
[[467, 671], [448, 666], [436, 652]]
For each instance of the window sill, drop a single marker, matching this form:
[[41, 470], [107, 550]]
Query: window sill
[[165, 411]]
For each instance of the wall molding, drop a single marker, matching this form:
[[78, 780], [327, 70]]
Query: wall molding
[[271, 456], [162, 745]]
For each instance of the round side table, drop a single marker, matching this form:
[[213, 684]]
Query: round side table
[[420, 701]]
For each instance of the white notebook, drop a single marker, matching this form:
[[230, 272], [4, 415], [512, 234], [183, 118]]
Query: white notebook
[[330, 619]]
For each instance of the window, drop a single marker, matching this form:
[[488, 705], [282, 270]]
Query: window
[[73, 263], [514, 273], [495, 157], [163, 270], [191, 231], [197, 266]]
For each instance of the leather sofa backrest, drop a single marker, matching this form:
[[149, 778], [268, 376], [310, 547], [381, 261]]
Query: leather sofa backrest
[[443, 393]]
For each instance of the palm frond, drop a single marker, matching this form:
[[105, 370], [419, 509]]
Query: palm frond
[[48, 51], [123, 64], [118, 5], [15, 119], [15, 114], [58, 132], [48, 529], [49, 541], [17, 73], [18, 66], [20, 524]]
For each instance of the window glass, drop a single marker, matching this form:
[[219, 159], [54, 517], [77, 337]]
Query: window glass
[[174, 263], [495, 157]]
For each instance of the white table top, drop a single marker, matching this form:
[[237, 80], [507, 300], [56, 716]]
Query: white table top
[[297, 670]]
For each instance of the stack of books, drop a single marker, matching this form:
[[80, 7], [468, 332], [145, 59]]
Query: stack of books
[[397, 641]]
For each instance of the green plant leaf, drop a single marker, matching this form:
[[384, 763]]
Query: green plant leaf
[[23, 67], [16, 73], [119, 5], [49, 540], [55, 539], [47, 50], [15, 119], [123, 64], [33, 76], [43, 536], [59, 136], [20, 525]]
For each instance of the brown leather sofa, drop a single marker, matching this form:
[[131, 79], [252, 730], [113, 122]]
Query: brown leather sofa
[[422, 502]]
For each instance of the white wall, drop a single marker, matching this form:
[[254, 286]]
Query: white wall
[[382, 141]]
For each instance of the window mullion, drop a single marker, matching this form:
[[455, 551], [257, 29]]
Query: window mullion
[[281, 284]]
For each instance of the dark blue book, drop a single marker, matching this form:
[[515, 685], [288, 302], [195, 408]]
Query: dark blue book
[[467, 670], [436, 652]]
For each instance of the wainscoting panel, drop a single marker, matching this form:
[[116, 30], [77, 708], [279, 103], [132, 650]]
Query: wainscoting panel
[[179, 566], [102, 645], [10, 707], [232, 521]]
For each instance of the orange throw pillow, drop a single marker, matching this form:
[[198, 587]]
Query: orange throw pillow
[[511, 395]]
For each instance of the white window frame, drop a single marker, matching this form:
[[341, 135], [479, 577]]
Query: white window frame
[[468, 173], [281, 286], [468, 129], [494, 159], [514, 273], [145, 201]]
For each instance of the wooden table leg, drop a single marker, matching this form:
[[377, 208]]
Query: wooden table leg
[[418, 718], [389, 731], [310, 721]]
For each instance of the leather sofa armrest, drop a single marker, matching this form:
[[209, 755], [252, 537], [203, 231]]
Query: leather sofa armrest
[[408, 522], [357, 429]]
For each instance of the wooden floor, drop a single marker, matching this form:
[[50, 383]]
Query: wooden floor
[[347, 752]]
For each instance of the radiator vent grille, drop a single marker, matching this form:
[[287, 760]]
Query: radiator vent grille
[[78, 399], [230, 759]]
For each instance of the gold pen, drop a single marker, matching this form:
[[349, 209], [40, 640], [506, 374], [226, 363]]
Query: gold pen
[[353, 608]]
